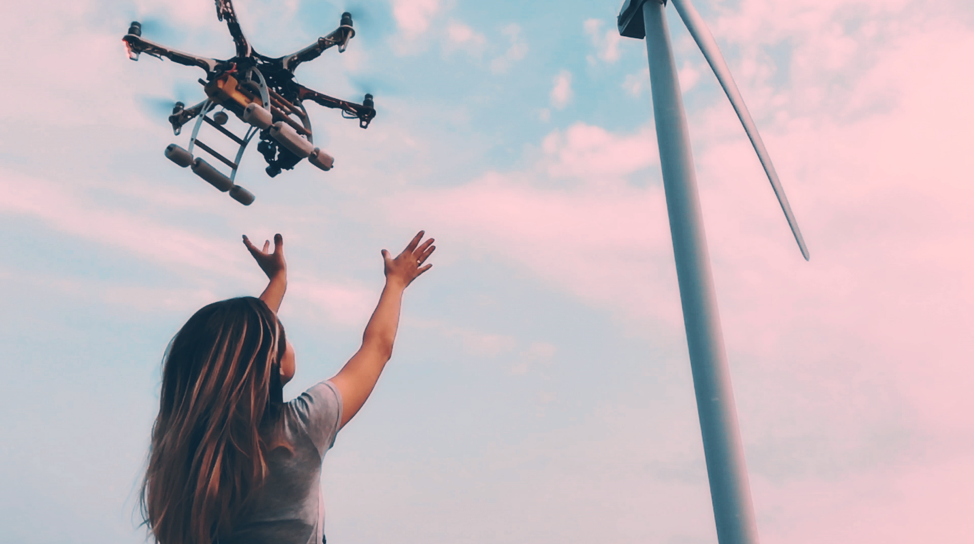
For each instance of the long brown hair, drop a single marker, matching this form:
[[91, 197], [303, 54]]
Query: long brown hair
[[220, 385]]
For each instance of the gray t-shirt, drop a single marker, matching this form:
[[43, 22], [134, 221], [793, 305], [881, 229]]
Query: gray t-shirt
[[289, 508]]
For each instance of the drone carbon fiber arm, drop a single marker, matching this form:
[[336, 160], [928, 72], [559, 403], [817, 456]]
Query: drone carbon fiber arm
[[225, 12], [340, 37], [138, 45], [364, 112]]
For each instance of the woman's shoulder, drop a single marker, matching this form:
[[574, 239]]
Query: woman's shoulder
[[317, 412]]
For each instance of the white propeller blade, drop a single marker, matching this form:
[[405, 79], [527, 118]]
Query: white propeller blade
[[708, 46]]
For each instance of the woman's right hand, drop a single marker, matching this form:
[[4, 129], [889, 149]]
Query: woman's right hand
[[273, 264], [408, 265]]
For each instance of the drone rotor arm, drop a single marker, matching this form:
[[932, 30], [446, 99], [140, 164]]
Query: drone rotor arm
[[225, 12], [140, 45], [340, 37], [180, 115], [363, 112]]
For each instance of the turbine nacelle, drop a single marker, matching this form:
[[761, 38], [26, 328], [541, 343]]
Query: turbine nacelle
[[631, 19]]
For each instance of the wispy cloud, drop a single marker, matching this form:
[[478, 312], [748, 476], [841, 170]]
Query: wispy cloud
[[592, 153], [461, 36], [474, 342], [636, 83], [76, 215], [517, 50], [413, 16], [606, 43], [561, 92]]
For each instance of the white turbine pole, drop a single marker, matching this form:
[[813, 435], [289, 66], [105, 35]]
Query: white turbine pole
[[724, 453]]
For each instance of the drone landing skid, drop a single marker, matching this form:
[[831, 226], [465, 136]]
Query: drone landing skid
[[205, 170]]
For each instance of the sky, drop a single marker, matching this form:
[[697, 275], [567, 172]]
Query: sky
[[540, 389]]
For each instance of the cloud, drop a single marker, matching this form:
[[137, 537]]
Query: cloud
[[474, 342], [599, 242], [592, 153], [69, 211], [561, 92], [536, 353], [340, 303], [606, 44], [688, 76], [514, 53], [143, 298], [462, 36], [413, 16], [636, 83]]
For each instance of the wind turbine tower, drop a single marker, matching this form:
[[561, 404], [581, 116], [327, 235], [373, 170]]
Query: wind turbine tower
[[726, 470]]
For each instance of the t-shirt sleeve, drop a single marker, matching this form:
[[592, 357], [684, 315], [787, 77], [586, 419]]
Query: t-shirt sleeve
[[320, 410]]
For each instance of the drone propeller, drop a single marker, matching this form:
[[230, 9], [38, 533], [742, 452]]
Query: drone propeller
[[161, 106], [705, 40], [362, 14], [156, 28], [156, 107], [370, 84]]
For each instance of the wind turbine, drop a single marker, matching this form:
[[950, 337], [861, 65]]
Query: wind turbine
[[726, 470]]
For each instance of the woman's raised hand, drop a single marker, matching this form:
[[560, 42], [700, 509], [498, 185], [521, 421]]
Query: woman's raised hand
[[273, 264], [408, 265]]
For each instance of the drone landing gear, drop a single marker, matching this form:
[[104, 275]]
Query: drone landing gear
[[205, 170]]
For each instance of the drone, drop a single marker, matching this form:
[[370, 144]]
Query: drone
[[262, 92]]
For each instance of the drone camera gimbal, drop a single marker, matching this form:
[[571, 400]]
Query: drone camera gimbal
[[261, 92]]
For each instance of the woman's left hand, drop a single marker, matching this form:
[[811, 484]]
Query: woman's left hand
[[273, 264]]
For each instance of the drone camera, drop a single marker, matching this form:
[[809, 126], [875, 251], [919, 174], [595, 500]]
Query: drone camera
[[220, 117], [273, 170]]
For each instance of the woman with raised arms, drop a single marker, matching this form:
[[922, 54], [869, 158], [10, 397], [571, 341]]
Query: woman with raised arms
[[232, 463]]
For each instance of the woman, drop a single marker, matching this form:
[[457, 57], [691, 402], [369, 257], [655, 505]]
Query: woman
[[230, 462]]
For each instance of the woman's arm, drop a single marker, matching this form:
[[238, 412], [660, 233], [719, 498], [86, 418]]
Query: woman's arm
[[274, 265], [358, 377]]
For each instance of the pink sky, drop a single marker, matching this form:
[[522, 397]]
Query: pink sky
[[852, 371]]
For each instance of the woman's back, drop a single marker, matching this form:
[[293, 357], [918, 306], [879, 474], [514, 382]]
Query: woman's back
[[289, 508]]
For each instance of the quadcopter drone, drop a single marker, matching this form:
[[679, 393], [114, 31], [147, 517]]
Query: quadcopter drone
[[260, 91]]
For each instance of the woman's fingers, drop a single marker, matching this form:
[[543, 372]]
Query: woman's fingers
[[414, 242], [424, 246], [278, 246], [250, 246], [425, 255]]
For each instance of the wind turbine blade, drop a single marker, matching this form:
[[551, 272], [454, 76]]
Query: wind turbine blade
[[705, 40]]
